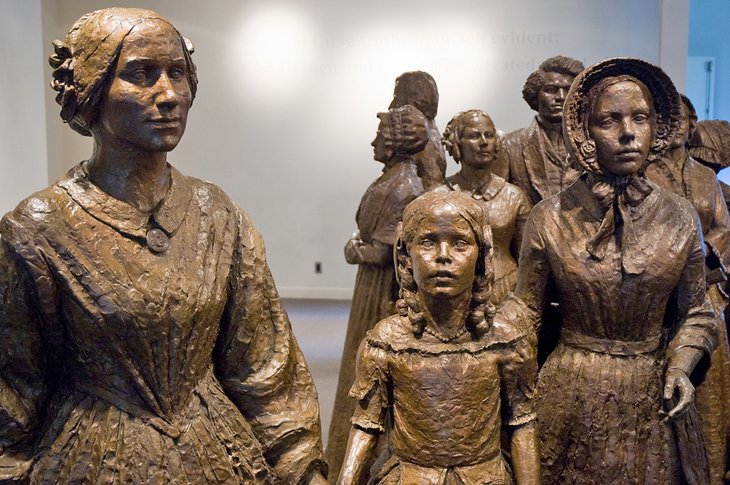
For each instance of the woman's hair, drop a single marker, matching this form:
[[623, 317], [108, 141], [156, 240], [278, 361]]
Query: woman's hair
[[454, 129], [418, 89], [404, 130], [481, 309], [560, 64], [84, 62]]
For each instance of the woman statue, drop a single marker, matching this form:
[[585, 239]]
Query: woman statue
[[627, 257], [679, 173], [439, 377], [418, 88], [472, 141], [142, 339], [401, 134]]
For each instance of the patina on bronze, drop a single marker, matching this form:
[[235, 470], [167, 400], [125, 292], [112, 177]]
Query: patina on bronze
[[142, 339], [472, 141], [402, 133], [615, 401], [536, 156], [441, 377], [677, 172], [418, 89]]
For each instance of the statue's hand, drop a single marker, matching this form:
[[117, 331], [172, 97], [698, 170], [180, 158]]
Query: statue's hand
[[677, 382], [353, 253]]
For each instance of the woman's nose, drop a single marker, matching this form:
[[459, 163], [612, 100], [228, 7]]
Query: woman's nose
[[167, 95]]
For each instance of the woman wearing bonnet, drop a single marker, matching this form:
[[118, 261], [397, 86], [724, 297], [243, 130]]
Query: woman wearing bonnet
[[614, 397], [141, 335], [402, 133]]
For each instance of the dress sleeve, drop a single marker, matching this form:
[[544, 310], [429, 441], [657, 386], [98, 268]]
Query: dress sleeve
[[696, 320], [261, 367], [523, 308], [518, 372], [370, 388], [718, 237], [27, 366]]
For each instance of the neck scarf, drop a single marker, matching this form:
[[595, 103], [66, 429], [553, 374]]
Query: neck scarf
[[616, 195]]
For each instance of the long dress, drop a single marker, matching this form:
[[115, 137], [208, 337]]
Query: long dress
[[375, 291], [506, 207], [147, 349], [688, 178], [441, 405], [600, 390]]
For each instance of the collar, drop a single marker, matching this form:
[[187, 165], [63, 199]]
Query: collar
[[487, 191], [122, 216]]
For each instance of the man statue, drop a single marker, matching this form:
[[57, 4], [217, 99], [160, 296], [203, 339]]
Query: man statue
[[536, 156]]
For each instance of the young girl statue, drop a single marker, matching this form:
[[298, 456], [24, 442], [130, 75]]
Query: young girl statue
[[439, 377]]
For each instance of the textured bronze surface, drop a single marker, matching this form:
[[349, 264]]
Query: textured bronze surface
[[418, 89], [614, 397], [472, 141], [683, 175], [536, 157], [402, 133], [142, 339], [440, 378]]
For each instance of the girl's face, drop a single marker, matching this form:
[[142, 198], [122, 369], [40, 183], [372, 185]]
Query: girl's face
[[622, 124], [444, 253]]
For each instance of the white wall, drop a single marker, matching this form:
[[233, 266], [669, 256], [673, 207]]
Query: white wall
[[23, 166], [289, 91]]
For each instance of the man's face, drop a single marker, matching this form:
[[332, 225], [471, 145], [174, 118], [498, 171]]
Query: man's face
[[551, 97]]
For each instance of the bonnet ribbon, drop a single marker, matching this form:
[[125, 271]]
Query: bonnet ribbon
[[615, 195]]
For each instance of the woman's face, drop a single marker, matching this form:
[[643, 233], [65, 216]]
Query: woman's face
[[443, 253], [380, 150], [622, 125], [478, 143], [147, 103]]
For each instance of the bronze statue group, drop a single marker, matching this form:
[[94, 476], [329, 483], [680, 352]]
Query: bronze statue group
[[554, 312]]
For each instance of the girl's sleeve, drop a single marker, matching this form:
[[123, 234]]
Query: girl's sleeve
[[370, 388]]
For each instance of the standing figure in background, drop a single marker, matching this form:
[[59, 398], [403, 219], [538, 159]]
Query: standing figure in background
[[418, 89], [441, 378], [472, 141], [709, 144], [142, 339], [681, 174], [402, 133], [537, 157], [615, 400]]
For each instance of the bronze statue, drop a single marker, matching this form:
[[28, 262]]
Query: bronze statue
[[536, 156], [472, 141], [438, 378], [142, 339], [402, 133], [614, 397], [710, 145], [418, 89], [679, 173]]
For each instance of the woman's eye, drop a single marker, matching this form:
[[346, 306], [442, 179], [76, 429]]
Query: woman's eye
[[177, 74], [427, 243], [641, 118], [607, 122]]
